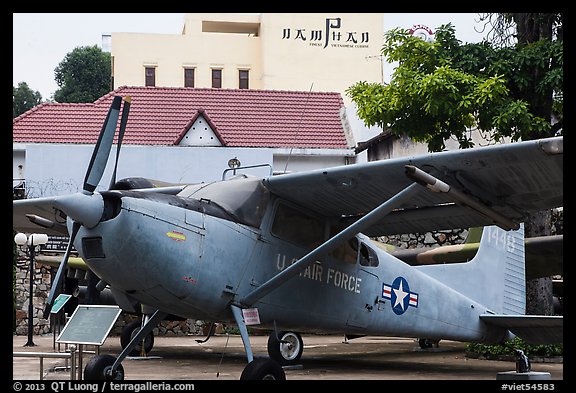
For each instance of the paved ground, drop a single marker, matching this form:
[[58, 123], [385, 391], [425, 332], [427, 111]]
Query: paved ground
[[324, 358]]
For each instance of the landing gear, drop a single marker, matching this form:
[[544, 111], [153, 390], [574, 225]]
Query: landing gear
[[427, 343], [99, 368], [286, 347], [128, 334], [267, 369], [263, 369], [107, 367]]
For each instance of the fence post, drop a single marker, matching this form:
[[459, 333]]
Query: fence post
[[72, 362]]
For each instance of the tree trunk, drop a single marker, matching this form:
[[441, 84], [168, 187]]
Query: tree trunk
[[532, 27], [539, 299]]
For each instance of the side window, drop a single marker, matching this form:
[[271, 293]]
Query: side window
[[368, 256], [297, 227]]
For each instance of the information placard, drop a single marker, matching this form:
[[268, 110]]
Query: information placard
[[89, 324], [59, 303]]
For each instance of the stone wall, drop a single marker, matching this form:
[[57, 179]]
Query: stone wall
[[456, 236], [41, 288], [165, 328], [428, 239]]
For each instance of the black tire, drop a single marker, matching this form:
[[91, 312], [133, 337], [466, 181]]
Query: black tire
[[98, 368], [130, 331], [285, 353], [263, 369], [425, 343]]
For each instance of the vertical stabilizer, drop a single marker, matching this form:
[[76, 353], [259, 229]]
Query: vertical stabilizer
[[495, 277]]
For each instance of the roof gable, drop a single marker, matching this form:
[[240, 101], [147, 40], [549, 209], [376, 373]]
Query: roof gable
[[200, 132], [163, 116]]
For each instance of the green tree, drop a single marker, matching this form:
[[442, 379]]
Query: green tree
[[510, 87], [540, 85], [24, 98], [442, 89], [84, 75]]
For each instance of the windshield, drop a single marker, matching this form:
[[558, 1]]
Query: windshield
[[243, 197]]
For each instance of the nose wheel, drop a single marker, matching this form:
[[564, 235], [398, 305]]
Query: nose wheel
[[99, 368], [263, 369]]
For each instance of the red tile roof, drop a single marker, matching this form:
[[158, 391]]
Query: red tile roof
[[161, 115]]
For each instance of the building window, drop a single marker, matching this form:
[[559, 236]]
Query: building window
[[243, 79], [216, 78], [150, 73], [188, 77]]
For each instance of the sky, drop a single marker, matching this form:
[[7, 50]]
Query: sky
[[42, 40]]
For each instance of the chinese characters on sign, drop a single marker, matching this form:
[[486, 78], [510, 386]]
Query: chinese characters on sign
[[329, 35]]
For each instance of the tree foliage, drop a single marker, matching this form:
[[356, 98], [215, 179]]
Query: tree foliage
[[24, 98], [443, 89], [84, 75], [507, 349]]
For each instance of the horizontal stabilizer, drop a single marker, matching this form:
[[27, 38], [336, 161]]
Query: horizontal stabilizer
[[533, 329]]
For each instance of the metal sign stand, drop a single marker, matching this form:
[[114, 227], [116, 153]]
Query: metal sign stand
[[89, 325]]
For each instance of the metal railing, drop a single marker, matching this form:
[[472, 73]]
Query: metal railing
[[41, 355]]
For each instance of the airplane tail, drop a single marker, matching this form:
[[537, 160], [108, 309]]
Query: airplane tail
[[495, 277]]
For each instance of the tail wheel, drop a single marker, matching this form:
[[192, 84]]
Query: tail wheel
[[99, 368], [263, 369], [287, 350], [129, 332]]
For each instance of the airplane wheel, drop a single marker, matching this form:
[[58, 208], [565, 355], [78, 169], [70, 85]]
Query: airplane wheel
[[263, 369], [288, 350], [130, 331], [426, 343], [99, 368]]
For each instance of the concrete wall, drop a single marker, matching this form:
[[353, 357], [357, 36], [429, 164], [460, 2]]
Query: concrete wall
[[52, 169]]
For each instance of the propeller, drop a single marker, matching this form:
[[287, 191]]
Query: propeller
[[85, 208], [123, 122], [102, 148]]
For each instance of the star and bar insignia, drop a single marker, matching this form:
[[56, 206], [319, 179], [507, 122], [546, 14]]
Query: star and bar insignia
[[400, 295]]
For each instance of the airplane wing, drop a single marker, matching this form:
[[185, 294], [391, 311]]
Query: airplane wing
[[512, 180], [38, 215], [533, 329]]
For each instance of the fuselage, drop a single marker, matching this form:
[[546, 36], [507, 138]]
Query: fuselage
[[195, 259]]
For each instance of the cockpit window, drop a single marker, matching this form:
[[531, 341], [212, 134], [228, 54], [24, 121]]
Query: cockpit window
[[347, 251], [243, 198], [297, 227]]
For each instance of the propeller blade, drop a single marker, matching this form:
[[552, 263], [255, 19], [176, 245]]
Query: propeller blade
[[54, 290], [102, 149], [123, 122]]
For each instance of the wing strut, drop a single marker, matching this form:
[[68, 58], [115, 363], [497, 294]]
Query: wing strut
[[436, 185], [366, 221]]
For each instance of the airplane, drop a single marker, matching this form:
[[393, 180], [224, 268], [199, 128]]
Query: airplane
[[293, 252], [543, 258]]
